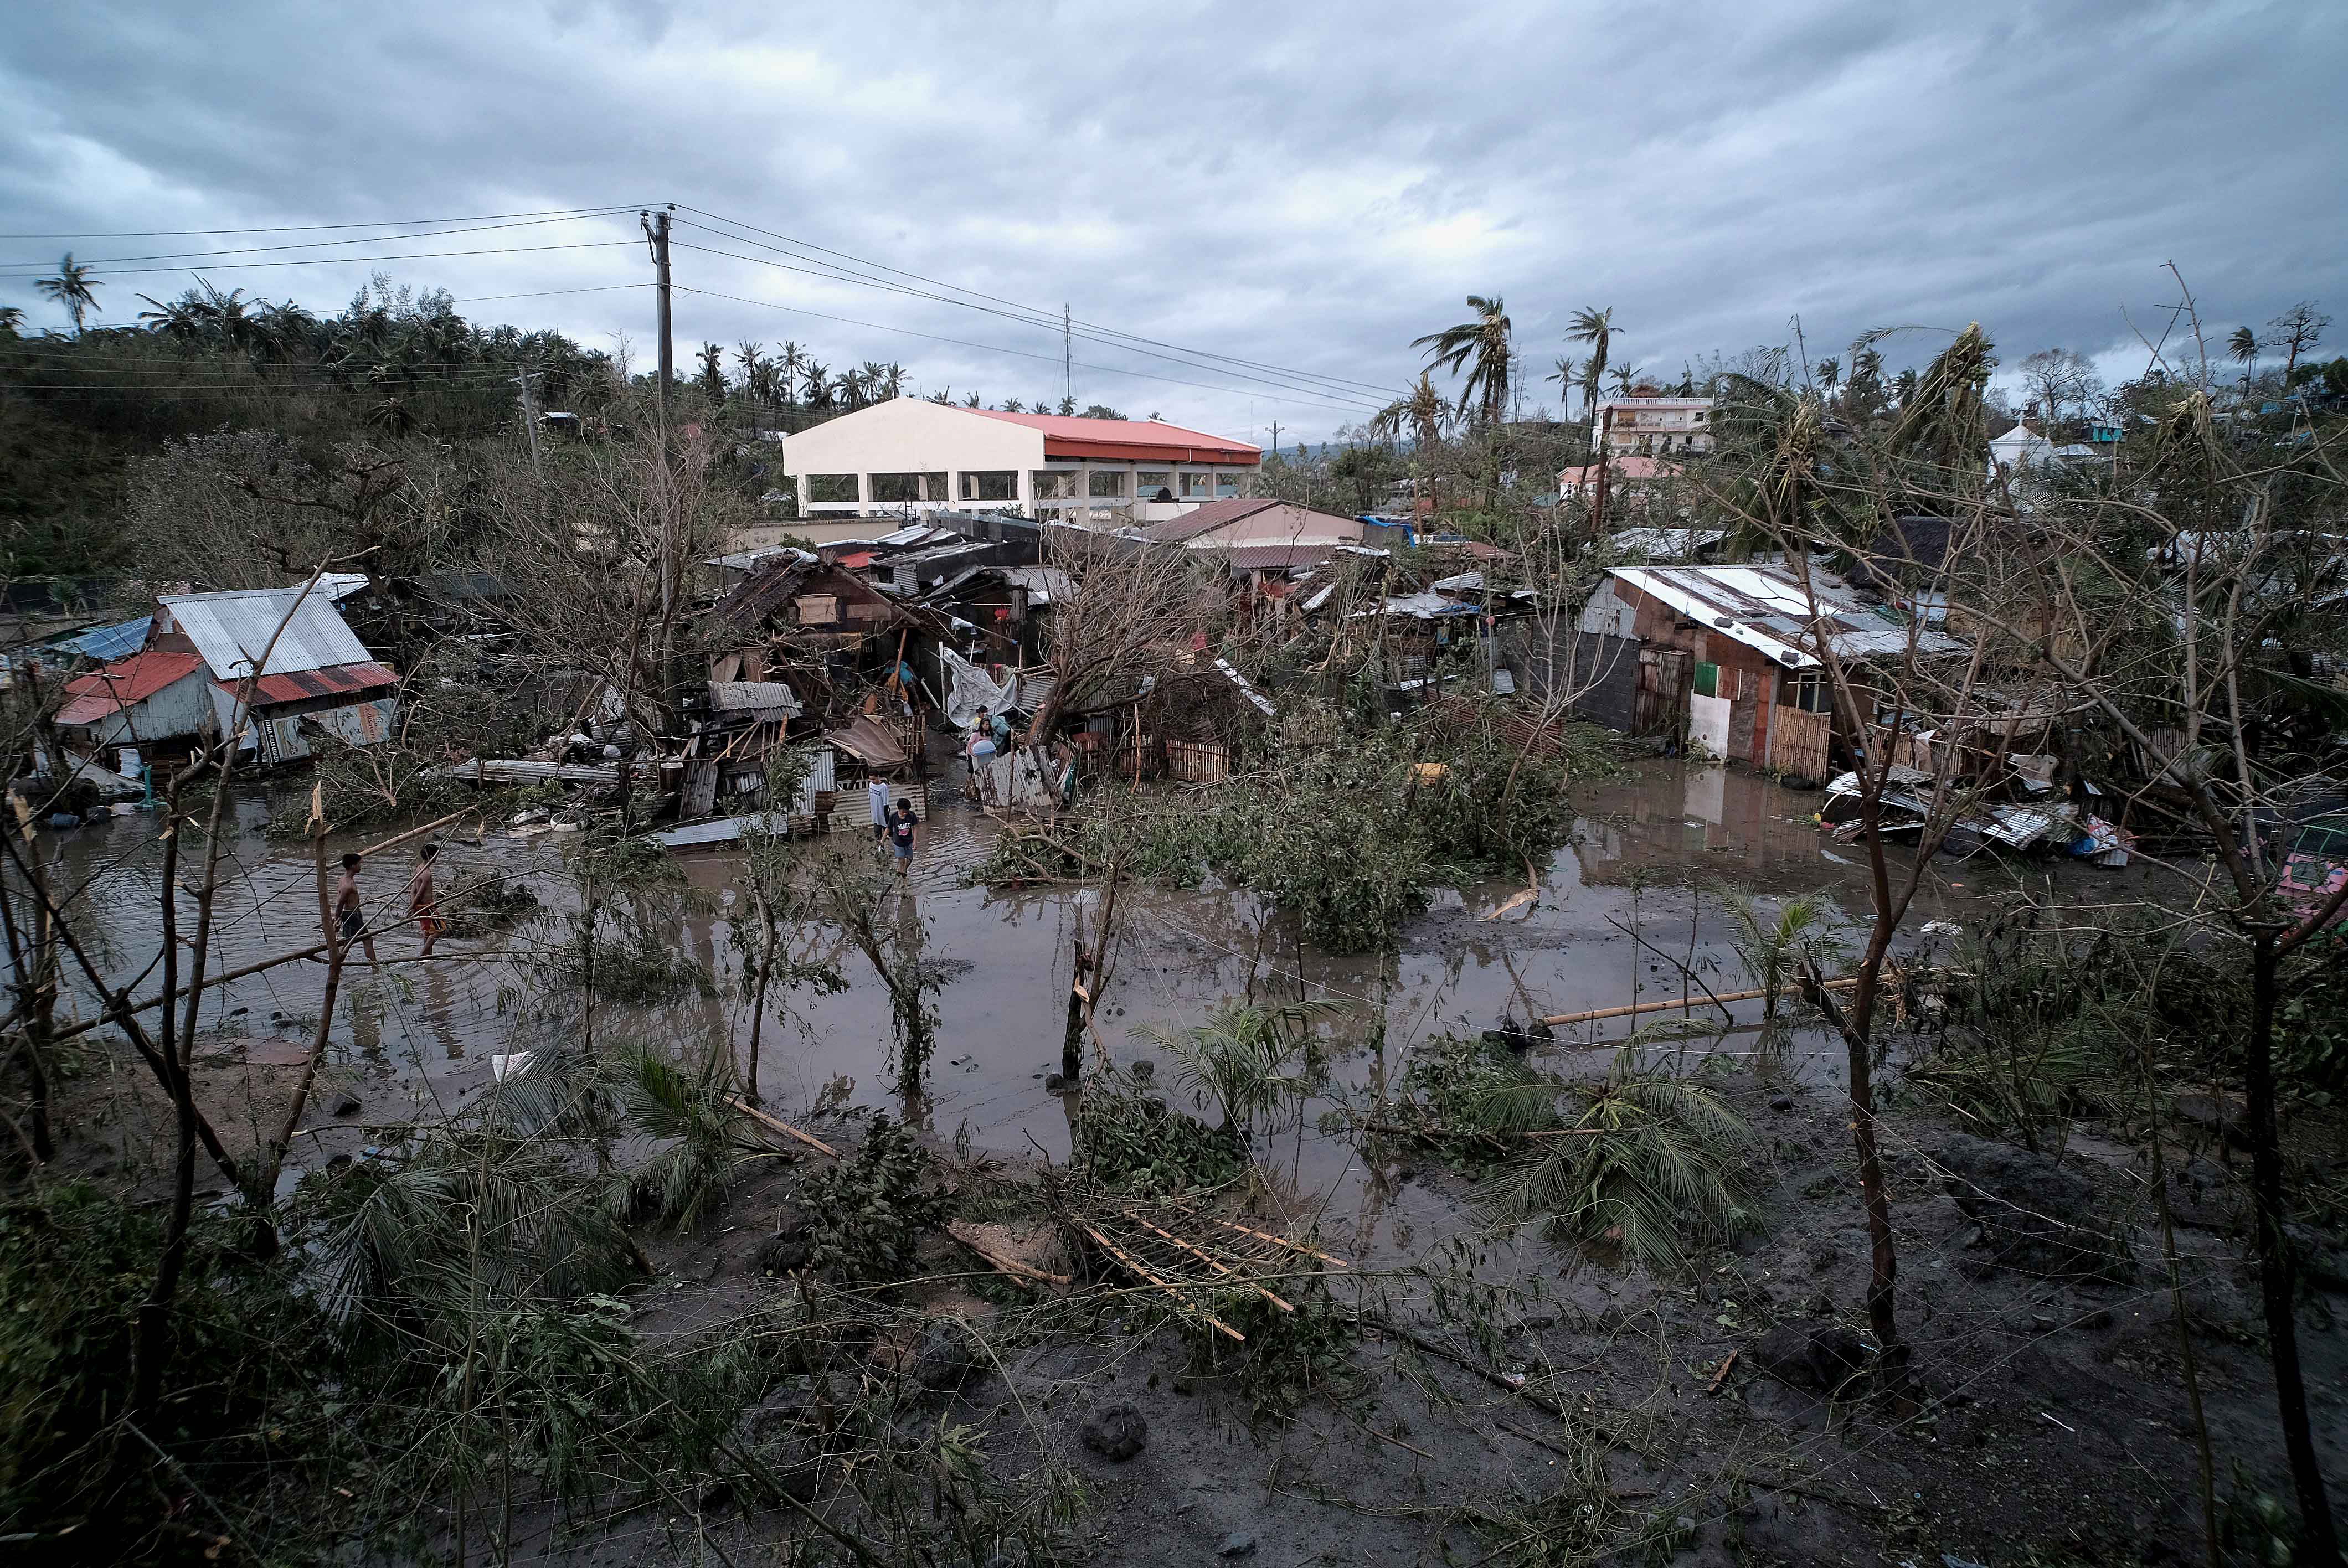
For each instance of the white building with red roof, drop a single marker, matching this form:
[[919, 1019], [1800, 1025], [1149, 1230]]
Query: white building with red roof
[[910, 455]]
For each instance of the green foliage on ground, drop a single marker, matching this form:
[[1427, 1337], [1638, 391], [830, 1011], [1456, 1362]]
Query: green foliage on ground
[[1130, 1141], [75, 1263], [867, 1215], [1339, 829]]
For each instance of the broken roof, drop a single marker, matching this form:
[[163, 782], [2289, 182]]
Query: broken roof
[[1765, 608], [230, 630], [327, 681]]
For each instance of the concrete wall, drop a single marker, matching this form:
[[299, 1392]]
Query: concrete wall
[[910, 436]]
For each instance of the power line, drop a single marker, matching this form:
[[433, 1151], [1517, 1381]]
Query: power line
[[1339, 381], [1288, 381], [318, 228], [318, 244], [1020, 353], [343, 261]]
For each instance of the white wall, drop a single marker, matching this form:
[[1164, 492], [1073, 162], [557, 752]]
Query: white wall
[[910, 436]]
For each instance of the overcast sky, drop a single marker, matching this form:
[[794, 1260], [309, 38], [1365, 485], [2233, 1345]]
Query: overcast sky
[[1305, 187]]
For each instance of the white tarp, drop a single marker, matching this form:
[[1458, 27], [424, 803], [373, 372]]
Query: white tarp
[[970, 688]]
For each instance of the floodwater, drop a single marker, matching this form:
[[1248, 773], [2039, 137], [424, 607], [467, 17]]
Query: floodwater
[[1649, 856]]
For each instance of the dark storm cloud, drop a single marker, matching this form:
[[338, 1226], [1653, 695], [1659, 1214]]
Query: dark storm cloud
[[1303, 190]]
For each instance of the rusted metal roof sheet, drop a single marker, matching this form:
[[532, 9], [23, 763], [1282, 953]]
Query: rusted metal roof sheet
[[301, 685], [136, 679]]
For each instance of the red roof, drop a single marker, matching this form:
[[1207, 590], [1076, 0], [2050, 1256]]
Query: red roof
[[300, 685], [1128, 440], [118, 685], [856, 563], [1631, 469]]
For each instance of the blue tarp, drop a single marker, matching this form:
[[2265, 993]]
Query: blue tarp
[[107, 643]]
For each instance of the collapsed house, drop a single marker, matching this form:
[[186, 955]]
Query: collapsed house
[[190, 680]]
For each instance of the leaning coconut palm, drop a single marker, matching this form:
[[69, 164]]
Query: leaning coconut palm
[[1480, 347], [1653, 1166], [1244, 1060], [2243, 347]]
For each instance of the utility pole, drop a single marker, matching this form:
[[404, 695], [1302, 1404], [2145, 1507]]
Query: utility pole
[[656, 226], [1067, 362], [529, 423], [1275, 437]]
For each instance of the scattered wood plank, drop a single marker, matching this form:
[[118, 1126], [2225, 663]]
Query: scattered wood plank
[[778, 1124], [961, 1231], [1713, 1386]]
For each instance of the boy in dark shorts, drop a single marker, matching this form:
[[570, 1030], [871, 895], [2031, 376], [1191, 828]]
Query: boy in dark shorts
[[901, 822], [349, 925]]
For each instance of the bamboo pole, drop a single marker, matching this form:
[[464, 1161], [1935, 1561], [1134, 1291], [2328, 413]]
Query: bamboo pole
[[396, 839], [1265, 1236], [1143, 1271], [1202, 1255], [785, 1128], [1685, 1004]]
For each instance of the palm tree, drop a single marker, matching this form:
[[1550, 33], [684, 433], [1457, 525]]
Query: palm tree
[[11, 320], [815, 378], [1566, 378], [893, 380], [713, 371], [1481, 347], [72, 288], [1594, 328], [1626, 378], [1386, 424], [971, 401], [751, 357], [1427, 411], [1013, 405], [1776, 949], [1830, 373], [2244, 347], [787, 365]]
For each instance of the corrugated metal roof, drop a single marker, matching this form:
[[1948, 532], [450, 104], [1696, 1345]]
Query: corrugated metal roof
[[1070, 436], [301, 685], [1757, 606], [230, 630], [101, 691], [760, 696], [107, 643]]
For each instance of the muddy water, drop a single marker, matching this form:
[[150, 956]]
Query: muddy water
[[1649, 855]]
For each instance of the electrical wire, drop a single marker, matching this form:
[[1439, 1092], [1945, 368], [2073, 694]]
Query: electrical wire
[[1300, 382], [321, 228], [343, 260], [1021, 353], [318, 244], [1045, 317]]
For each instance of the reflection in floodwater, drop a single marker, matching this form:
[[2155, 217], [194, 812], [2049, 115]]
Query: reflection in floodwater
[[1649, 854]]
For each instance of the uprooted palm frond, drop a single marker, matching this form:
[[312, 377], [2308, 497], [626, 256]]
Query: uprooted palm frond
[[1654, 1166], [689, 1111], [1244, 1061]]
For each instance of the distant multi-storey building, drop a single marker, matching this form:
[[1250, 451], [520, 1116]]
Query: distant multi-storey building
[[1648, 423]]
